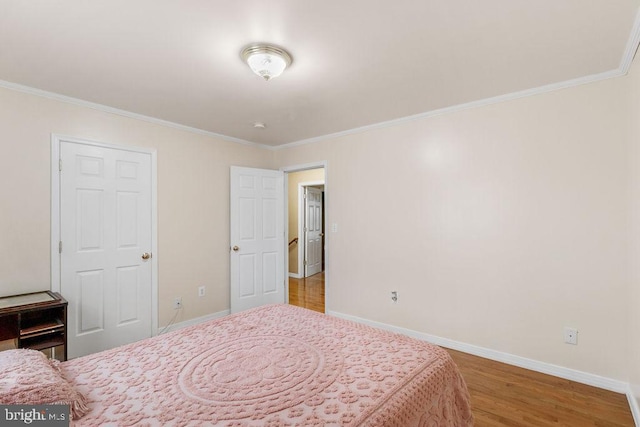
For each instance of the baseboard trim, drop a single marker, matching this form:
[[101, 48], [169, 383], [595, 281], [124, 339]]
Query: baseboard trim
[[510, 359], [633, 394], [295, 275], [191, 322]]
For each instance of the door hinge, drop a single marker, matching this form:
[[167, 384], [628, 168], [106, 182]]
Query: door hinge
[[305, 262], [60, 247], [60, 165]]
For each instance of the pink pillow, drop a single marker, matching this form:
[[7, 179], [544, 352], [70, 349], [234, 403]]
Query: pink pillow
[[27, 377]]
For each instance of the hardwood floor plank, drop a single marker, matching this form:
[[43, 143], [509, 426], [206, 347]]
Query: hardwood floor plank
[[505, 395], [308, 292]]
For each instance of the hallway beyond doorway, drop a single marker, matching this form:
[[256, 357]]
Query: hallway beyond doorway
[[307, 292]]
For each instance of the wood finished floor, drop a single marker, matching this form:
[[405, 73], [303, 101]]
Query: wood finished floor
[[505, 395], [308, 292]]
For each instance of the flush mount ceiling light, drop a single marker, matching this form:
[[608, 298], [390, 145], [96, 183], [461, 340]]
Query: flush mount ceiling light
[[267, 61]]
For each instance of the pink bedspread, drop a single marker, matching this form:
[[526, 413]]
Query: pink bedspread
[[273, 366]]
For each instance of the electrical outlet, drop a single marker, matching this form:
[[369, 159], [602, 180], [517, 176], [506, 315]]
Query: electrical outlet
[[201, 291], [570, 335], [394, 296], [177, 303]]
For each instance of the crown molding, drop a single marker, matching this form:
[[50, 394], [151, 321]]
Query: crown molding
[[117, 111], [632, 46], [460, 107], [625, 65]]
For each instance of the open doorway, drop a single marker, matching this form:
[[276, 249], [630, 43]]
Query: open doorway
[[306, 238], [311, 208]]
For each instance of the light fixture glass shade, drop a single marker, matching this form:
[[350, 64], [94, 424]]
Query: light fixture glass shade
[[267, 61]]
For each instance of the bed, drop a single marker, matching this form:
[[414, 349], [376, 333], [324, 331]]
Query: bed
[[276, 365]]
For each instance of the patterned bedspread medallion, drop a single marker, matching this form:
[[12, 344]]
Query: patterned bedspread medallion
[[246, 377]]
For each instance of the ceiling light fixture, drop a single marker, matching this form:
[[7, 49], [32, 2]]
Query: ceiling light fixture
[[267, 61]]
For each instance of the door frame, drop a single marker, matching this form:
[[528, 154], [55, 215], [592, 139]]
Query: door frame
[[302, 220], [55, 214], [298, 168]]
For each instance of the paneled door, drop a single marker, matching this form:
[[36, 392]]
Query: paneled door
[[256, 238], [105, 233], [313, 231]]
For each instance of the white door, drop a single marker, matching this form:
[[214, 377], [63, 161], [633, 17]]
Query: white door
[[313, 231], [257, 238], [105, 229]]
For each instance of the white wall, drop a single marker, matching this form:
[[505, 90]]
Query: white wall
[[498, 226], [193, 198], [634, 295]]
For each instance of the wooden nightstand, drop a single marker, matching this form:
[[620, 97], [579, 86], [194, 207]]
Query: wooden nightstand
[[37, 320]]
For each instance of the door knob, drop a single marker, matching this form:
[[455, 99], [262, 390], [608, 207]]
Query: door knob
[[235, 249], [146, 255]]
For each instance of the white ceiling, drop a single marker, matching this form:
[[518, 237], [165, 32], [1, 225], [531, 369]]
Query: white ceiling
[[356, 63]]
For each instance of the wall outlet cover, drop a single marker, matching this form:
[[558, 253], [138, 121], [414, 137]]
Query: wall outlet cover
[[571, 335]]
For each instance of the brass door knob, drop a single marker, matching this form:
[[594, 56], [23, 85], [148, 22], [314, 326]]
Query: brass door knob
[[146, 255], [235, 249]]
